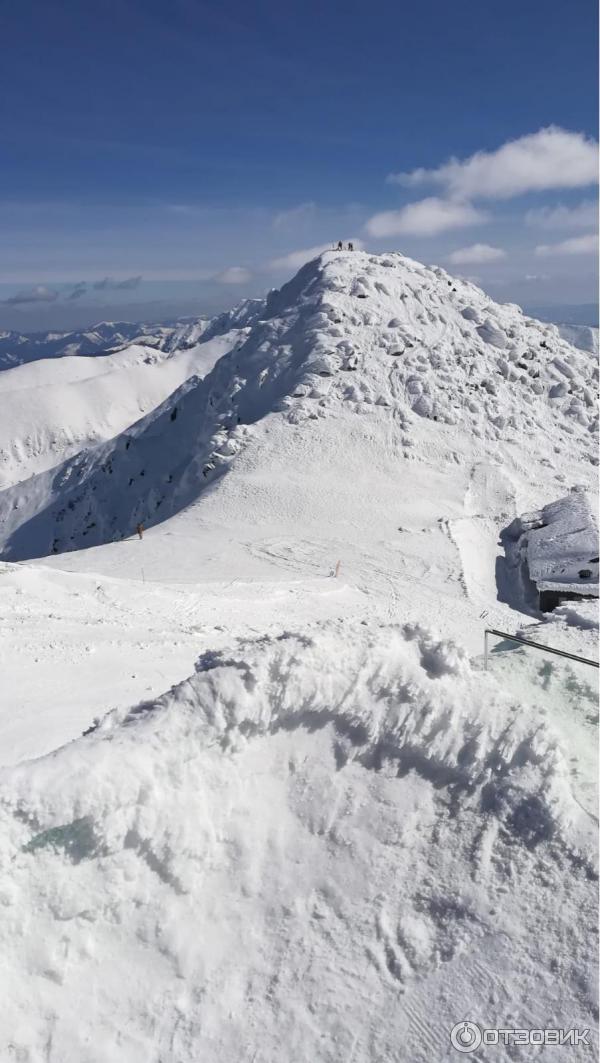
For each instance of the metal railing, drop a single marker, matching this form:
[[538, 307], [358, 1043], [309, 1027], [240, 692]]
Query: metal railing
[[532, 645]]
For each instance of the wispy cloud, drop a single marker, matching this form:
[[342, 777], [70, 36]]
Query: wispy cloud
[[551, 158], [476, 254], [109, 284], [575, 245], [425, 218], [295, 217], [233, 275], [77, 291], [583, 215], [39, 294]]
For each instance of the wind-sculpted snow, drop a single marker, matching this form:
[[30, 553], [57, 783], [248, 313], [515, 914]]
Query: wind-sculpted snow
[[244, 315], [288, 856], [378, 348], [400, 698]]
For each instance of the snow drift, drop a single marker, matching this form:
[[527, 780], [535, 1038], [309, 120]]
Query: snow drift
[[287, 856]]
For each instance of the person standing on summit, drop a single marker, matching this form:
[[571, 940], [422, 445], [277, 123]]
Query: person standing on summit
[[340, 246]]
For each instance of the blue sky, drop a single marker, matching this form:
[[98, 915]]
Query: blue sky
[[163, 158]]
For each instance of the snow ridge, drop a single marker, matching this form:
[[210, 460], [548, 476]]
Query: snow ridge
[[401, 697], [18, 348], [52, 408]]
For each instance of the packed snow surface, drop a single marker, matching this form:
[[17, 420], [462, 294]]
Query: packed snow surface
[[303, 823]]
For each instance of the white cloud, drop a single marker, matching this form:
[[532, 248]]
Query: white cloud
[[583, 215], [475, 254], [296, 259], [425, 218], [575, 245], [233, 275], [550, 158]]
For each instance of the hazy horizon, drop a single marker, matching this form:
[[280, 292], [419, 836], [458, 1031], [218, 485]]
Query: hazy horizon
[[181, 163]]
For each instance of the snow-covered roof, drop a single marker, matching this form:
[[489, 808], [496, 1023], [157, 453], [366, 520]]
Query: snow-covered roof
[[585, 588], [562, 542]]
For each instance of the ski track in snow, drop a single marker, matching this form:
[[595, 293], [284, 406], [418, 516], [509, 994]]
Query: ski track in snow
[[303, 823]]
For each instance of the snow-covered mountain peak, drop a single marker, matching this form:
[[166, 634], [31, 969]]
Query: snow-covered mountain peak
[[392, 359], [423, 342]]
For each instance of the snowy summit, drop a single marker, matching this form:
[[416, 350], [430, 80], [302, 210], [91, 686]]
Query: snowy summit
[[353, 363]]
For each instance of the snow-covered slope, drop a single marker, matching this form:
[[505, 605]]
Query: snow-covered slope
[[358, 363], [50, 409], [338, 835]]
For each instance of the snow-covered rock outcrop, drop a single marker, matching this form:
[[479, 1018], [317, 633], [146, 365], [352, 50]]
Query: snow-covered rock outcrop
[[243, 315]]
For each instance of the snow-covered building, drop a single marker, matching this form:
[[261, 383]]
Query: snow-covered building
[[560, 544]]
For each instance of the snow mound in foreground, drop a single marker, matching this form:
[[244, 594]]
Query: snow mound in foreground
[[285, 856]]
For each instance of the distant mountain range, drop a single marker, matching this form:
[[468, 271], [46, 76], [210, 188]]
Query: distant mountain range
[[566, 314], [103, 338]]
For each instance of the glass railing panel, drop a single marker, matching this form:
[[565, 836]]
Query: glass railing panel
[[566, 690]]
